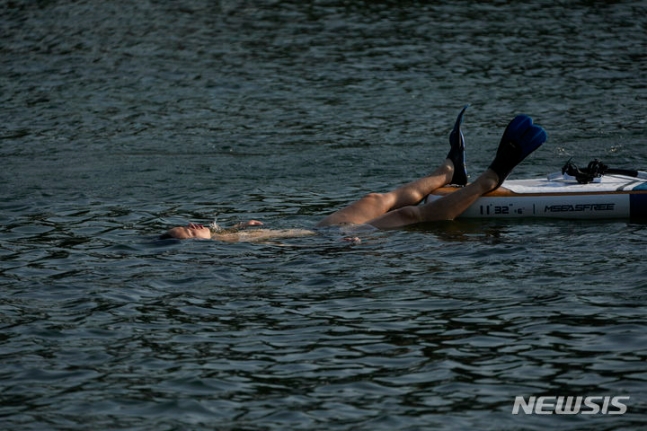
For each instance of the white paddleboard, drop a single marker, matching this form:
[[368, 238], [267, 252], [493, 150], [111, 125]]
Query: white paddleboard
[[560, 196]]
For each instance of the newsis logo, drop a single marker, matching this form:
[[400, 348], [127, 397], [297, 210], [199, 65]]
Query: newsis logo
[[570, 405]]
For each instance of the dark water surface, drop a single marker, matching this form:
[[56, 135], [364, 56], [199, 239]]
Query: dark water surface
[[122, 118]]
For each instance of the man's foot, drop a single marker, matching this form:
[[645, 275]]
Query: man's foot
[[457, 151], [520, 138]]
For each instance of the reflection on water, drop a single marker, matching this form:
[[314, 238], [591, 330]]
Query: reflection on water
[[121, 119]]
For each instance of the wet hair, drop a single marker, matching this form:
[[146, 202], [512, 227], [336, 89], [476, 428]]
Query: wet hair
[[166, 235]]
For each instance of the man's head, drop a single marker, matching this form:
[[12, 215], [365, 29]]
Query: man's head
[[189, 231]]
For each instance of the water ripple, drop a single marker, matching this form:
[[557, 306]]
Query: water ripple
[[121, 119]]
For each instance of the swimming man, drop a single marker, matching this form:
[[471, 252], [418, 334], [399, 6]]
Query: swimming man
[[401, 207]]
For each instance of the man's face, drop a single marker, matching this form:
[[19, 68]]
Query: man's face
[[189, 231]]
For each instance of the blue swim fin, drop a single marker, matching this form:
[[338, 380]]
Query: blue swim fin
[[519, 140]]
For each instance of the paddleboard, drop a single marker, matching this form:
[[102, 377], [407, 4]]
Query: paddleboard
[[560, 196]]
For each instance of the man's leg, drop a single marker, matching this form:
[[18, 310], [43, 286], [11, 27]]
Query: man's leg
[[520, 138], [398, 208], [375, 205], [446, 208]]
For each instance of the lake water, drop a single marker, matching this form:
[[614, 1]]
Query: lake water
[[121, 119]]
